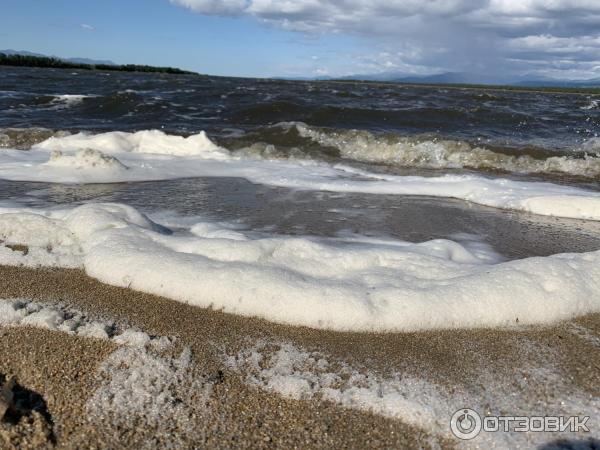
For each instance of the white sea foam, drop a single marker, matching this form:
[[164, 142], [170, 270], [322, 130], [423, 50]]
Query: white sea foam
[[140, 382], [321, 283], [151, 141], [593, 104], [57, 317], [153, 155], [49, 244], [300, 374], [68, 100], [141, 386], [87, 159]]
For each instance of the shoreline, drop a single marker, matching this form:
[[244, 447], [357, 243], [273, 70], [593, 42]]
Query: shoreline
[[339, 205], [453, 366], [63, 64]]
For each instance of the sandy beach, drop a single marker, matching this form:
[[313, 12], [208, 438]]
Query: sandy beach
[[210, 262], [531, 366]]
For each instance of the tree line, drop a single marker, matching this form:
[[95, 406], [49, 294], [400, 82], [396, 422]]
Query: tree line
[[45, 61]]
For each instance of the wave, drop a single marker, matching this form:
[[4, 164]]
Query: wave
[[390, 112], [68, 100], [154, 155], [593, 104], [47, 102], [298, 140], [115, 105], [109, 106]]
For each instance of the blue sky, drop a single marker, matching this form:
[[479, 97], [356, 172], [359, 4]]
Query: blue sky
[[490, 38], [157, 32]]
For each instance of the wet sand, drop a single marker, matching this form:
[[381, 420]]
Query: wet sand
[[61, 368]]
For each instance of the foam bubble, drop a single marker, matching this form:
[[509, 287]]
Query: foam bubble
[[324, 283], [297, 373], [49, 242], [139, 387], [57, 317]]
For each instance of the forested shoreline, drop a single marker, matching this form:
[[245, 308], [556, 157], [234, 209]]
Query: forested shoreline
[[49, 62]]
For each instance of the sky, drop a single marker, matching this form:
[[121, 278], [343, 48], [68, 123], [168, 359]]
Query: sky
[[494, 40]]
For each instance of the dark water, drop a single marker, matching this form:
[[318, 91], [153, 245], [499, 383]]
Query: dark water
[[185, 104]]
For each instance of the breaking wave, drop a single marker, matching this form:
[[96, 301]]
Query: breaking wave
[[298, 140], [68, 100], [593, 104]]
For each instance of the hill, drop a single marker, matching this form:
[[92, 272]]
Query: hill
[[28, 59], [459, 78]]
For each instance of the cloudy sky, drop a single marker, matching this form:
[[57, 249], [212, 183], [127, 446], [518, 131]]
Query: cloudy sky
[[490, 39]]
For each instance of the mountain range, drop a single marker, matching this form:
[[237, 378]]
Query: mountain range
[[470, 78], [71, 60]]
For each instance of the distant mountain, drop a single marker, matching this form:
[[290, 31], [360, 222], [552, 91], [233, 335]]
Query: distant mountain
[[105, 62], [20, 52], [592, 83], [71, 60], [469, 78], [438, 78]]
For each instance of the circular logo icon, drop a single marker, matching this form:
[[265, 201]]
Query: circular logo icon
[[465, 424]]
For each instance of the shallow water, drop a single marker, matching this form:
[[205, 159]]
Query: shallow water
[[283, 211]]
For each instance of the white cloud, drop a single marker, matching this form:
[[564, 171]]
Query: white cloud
[[219, 7], [88, 27], [348, 15], [548, 44], [458, 35], [332, 15]]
